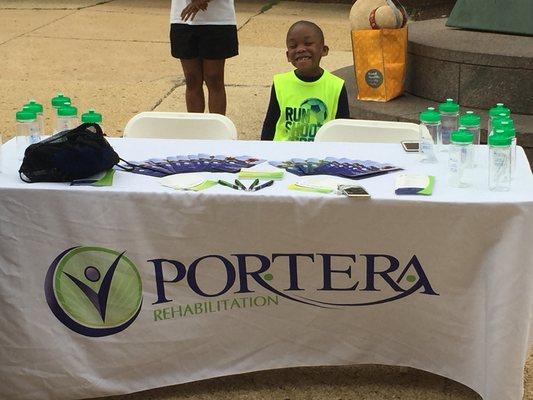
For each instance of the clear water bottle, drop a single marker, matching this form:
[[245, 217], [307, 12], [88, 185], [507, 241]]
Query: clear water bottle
[[472, 122], [499, 162], [460, 159], [498, 111], [37, 108], [471, 149], [429, 133], [35, 136], [507, 126], [449, 113], [91, 116], [26, 129], [67, 118], [57, 102]]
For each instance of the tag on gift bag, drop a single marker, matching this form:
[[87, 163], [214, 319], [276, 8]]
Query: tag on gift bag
[[380, 61]]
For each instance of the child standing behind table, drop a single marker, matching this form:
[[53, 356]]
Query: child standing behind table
[[203, 34], [301, 101]]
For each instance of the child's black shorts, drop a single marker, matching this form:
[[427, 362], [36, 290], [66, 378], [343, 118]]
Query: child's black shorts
[[212, 42]]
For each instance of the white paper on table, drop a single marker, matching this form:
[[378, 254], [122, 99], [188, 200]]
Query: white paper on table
[[183, 181], [323, 182], [412, 181]]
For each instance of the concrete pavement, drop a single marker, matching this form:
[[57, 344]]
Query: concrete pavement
[[113, 56]]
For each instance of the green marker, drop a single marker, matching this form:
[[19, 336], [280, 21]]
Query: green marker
[[254, 184], [230, 185]]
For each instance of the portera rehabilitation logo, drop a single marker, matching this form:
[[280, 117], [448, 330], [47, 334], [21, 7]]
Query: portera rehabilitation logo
[[94, 291]]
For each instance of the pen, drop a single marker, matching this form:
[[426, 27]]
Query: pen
[[254, 183], [224, 183], [239, 184], [263, 185]]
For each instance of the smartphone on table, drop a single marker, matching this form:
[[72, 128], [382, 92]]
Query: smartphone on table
[[411, 146], [353, 191]]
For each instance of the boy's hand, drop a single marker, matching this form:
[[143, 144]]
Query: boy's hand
[[192, 9]]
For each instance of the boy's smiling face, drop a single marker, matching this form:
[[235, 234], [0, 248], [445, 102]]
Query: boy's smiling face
[[305, 48]]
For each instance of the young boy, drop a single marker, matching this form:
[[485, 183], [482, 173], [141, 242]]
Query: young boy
[[203, 34], [301, 101]]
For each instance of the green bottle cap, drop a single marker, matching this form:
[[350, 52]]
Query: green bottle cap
[[34, 106], [91, 116], [59, 100], [469, 119], [508, 130], [449, 106], [462, 136], [499, 109], [499, 140], [25, 115], [67, 111], [430, 115], [502, 122]]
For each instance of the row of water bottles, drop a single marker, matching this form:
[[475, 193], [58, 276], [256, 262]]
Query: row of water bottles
[[30, 120], [446, 130]]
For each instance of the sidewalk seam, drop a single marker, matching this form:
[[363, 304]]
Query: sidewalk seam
[[56, 8], [263, 10], [168, 93]]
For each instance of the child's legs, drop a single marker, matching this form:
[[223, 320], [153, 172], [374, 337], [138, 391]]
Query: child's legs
[[194, 79], [184, 45], [213, 75], [216, 44], [202, 50]]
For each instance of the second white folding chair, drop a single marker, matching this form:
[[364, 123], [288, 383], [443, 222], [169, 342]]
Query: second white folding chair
[[179, 125], [359, 130]]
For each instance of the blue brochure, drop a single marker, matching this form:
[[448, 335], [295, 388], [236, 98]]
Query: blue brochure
[[341, 167], [192, 163]]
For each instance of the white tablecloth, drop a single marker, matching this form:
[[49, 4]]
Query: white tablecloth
[[224, 282]]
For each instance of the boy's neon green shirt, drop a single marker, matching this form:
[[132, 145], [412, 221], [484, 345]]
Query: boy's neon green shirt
[[305, 106]]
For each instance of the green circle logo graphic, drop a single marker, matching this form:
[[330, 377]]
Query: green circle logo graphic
[[318, 112], [94, 291]]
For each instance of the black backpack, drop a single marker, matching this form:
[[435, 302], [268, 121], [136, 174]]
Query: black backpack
[[74, 154]]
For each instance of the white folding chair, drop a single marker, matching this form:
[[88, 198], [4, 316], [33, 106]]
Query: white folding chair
[[360, 130], [179, 125]]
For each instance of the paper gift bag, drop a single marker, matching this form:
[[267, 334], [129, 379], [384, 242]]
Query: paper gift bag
[[379, 58]]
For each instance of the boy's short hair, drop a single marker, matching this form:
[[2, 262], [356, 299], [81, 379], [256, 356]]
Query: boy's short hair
[[309, 24]]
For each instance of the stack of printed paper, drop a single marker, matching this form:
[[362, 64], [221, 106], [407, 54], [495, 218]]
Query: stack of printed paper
[[192, 163], [345, 167]]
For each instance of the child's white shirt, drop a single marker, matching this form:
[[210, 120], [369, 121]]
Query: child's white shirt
[[219, 12]]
